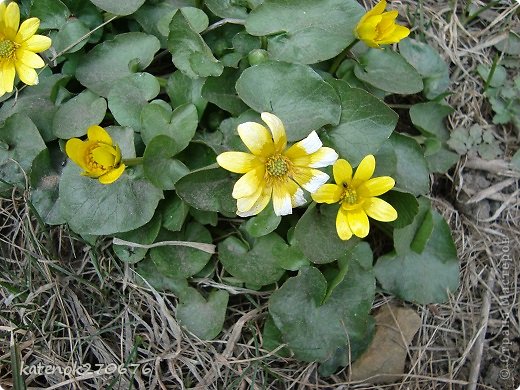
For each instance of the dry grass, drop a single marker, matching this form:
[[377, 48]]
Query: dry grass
[[65, 302]]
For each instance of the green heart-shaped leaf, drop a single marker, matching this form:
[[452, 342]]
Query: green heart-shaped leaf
[[259, 265], [295, 93]]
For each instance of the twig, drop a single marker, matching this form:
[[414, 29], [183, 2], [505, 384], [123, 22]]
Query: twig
[[498, 167], [208, 248], [488, 192], [481, 338]]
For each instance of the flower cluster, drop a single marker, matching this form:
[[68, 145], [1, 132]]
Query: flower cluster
[[18, 48], [274, 171]]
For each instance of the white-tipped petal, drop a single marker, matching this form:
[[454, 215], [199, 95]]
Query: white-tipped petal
[[310, 179], [281, 200]]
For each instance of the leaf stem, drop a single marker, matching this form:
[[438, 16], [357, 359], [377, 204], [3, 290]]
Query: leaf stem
[[341, 56]]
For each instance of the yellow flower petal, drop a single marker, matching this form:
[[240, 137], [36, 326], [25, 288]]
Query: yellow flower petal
[[400, 32], [112, 175], [364, 171], [260, 204], [118, 155], [387, 24], [342, 227], [296, 193], [26, 73], [342, 172], [367, 30], [11, 20], [238, 162], [248, 184], [104, 155], [2, 12], [380, 210], [77, 150], [37, 43], [328, 193], [322, 158], [246, 203], [27, 29], [282, 203], [306, 146], [378, 9], [99, 134], [375, 186], [257, 138], [277, 130], [358, 222], [7, 76], [309, 178], [29, 58]]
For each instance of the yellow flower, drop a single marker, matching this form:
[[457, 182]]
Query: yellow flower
[[97, 156], [377, 27], [18, 47], [273, 169], [357, 197]]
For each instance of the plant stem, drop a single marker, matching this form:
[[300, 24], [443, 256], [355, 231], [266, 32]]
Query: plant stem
[[341, 56], [129, 162]]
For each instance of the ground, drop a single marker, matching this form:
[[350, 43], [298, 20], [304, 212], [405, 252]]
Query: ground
[[64, 302]]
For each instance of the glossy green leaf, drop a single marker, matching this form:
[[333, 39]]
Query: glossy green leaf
[[316, 235], [295, 93], [159, 166], [129, 95], [429, 64], [387, 70], [208, 189], [227, 8], [305, 31], [90, 207], [221, 92], [263, 223], [272, 338], [190, 53], [111, 60], [21, 144], [426, 270], [429, 119], [260, 264], [202, 317], [366, 122], [402, 158], [145, 235], [74, 33], [36, 103], [174, 213], [45, 180], [181, 261], [118, 7], [182, 89], [53, 14], [74, 117], [179, 125], [315, 330]]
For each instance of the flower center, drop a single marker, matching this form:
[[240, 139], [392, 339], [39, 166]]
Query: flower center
[[7, 49], [92, 162], [276, 166], [349, 196]]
